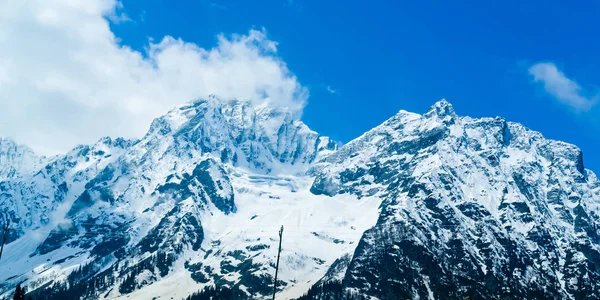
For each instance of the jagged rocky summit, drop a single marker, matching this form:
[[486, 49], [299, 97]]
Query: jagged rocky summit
[[432, 206]]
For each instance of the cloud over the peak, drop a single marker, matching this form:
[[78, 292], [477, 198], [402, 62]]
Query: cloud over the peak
[[65, 79], [563, 89]]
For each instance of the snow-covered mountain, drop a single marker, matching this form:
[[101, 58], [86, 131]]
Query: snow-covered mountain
[[35, 197], [432, 206], [479, 207], [16, 159]]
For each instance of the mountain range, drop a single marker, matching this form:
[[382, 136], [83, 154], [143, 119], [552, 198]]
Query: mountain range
[[431, 206]]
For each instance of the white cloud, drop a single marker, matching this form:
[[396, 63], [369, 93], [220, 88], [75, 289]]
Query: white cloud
[[331, 90], [561, 87], [117, 16], [64, 78]]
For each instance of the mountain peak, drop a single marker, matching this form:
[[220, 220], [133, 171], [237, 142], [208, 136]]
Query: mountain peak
[[16, 159], [242, 132], [441, 109]]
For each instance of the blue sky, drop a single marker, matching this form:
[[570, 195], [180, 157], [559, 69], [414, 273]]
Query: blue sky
[[383, 56], [83, 69]]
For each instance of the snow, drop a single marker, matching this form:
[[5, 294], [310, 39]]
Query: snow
[[429, 291], [17, 159], [266, 205], [279, 159]]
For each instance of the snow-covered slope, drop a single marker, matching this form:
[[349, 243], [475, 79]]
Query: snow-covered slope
[[16, 159], [432, 206], [479, 207], [145, 206], [38, 197]]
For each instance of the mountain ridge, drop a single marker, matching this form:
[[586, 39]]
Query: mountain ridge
[[449, 174], [190, 203]]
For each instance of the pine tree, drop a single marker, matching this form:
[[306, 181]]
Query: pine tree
[[219, 293], [19, 293]]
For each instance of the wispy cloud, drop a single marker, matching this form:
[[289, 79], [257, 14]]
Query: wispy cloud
[[117, 15], [119, 18], [563, 89], [217, 5], [331, 90], [142, 16]]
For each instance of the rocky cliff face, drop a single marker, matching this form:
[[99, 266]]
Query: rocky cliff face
[[480, 207], [431, 206]]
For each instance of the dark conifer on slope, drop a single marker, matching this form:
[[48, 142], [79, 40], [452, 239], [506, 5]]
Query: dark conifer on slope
[[332, 290], [219, 293], [19, 293]]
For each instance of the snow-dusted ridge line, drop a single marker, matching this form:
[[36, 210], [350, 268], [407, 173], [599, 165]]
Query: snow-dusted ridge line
[[199, 199], [486, 194]]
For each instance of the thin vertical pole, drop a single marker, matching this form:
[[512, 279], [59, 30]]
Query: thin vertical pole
[[277, 265]]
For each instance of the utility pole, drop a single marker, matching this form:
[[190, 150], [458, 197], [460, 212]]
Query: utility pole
[[4, 235], [277, 265]]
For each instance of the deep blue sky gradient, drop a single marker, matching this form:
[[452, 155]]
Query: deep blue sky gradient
[[383, 56]]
